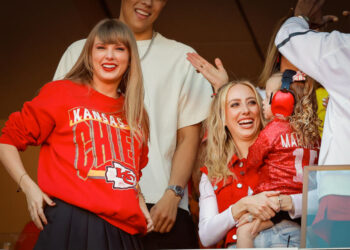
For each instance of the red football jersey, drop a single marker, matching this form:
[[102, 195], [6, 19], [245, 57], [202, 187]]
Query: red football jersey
[[279, 159]]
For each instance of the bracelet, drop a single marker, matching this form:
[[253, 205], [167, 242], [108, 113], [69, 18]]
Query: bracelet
[[280, 201], [139, 193], [305, 18], [19, 183], [142, 196]]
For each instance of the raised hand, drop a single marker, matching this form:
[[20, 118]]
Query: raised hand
[[313, 10], [217, 76]]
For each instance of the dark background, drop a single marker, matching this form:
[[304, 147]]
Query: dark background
[[34, 35]]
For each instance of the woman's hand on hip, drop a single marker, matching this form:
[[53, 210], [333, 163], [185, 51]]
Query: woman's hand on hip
[[36, 200]]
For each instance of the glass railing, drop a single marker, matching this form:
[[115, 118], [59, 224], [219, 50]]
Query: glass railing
[[326, 207]]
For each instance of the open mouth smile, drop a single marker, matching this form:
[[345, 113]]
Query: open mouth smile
[[109, 66], [246, 123], [142, 13]]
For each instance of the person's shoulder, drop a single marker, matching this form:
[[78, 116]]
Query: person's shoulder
[[280, 127], [275, 128], [173, 44], [77, 45], [270, 125], [282, 121], [60, 86]]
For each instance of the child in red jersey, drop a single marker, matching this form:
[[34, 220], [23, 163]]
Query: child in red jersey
[[93, 131], [287, 144]]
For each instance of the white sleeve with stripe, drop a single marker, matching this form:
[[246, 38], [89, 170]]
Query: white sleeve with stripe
[[322, 55]]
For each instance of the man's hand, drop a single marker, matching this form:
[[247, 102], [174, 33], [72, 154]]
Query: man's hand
[[164, 212], [313, 10]]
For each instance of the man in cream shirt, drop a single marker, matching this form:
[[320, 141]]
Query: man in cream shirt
[[177, 100]]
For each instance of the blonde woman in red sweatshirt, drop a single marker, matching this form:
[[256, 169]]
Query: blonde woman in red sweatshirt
[[93, 131]]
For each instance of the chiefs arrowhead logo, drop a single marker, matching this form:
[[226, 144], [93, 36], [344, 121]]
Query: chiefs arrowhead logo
[[121, 177]]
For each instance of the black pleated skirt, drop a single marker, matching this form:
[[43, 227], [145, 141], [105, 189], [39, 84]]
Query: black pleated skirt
[[72, 228]]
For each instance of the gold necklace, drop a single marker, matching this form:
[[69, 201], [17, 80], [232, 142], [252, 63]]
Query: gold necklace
[[149, 46]]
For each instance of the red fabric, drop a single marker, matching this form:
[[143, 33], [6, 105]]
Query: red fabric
[[28, 237], [279, 159], [81, 131], [205, 136], [332, 208], [228, 192]]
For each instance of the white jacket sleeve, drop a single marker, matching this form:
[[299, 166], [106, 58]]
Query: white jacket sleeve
[[297, 200], [322, 55], [213, 226]]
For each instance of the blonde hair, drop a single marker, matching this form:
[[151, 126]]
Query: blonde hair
[[304, 120], [112, 31], [220, 145]]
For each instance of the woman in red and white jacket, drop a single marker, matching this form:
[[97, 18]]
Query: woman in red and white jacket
[[226, 199], [93, 131]]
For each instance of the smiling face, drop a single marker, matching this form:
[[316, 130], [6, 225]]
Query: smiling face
[[272, 85], [242, 113], [140, 15], [109, 62]]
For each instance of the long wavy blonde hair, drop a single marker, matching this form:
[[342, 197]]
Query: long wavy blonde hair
[[220, 145], [304, 120], [112, 31]]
